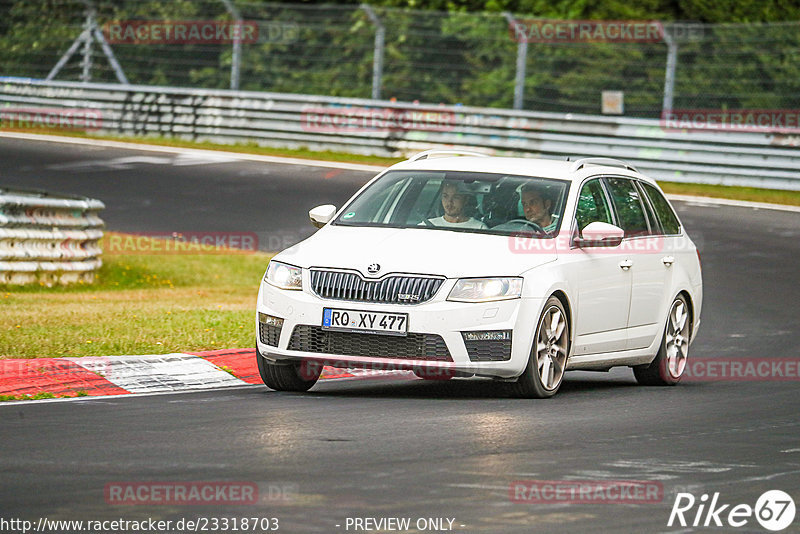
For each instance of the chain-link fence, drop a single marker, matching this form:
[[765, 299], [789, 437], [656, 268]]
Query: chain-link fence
[[493, 60]]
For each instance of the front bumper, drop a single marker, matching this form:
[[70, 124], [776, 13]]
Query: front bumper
[[301, 313]]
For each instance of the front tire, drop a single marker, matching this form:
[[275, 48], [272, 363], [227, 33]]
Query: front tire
[[548, 359], [670, 361], [295, 376]]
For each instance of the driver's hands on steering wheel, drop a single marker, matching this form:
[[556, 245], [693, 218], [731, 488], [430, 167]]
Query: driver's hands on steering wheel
[[532, 225]]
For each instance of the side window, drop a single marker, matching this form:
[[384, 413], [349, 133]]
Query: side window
[[669, 222], [592, 205], [648, 210], [629, 206]]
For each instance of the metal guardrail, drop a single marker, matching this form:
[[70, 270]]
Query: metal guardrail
[[386, 128], [48, 239]]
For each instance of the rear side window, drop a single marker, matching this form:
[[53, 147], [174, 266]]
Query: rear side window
[[669, 222], [629, 206], [592, 205]]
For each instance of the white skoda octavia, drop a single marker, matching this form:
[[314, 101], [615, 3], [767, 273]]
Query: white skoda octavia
[[457, 264]]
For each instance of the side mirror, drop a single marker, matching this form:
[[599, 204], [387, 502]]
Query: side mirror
[[322, 215], [600, 234]]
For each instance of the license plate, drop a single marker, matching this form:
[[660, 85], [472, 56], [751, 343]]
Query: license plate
[[395, 324]]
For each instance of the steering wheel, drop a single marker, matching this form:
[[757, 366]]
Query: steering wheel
[[530, 224], [428, 223]]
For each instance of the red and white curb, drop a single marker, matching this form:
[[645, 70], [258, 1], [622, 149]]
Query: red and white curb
[[121, 375]]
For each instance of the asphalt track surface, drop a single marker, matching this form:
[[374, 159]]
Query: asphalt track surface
[[409, 448]]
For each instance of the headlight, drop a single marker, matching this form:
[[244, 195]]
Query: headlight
[[284, 276], [486, 289]]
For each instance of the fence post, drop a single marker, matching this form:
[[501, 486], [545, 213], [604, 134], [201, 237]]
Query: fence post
[[236, 54], [90, 31], [669, 76], [522, 56], [377, 56], [86, 62]]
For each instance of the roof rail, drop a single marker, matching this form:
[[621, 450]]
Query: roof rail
[[428, 153], [608, 162]]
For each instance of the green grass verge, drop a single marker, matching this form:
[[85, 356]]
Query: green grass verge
[[752, 194], [39, 396], [140, 304]]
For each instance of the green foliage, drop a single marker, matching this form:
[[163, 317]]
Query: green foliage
[[450, 54]]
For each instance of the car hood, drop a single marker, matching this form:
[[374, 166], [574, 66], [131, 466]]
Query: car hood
[[419, 251]]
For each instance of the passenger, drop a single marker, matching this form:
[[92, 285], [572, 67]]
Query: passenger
[[537, 206], [455, 210]]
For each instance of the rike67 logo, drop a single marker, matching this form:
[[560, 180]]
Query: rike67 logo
[[774, 510]]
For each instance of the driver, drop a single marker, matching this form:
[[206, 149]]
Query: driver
[[454, 204], [537, 206]]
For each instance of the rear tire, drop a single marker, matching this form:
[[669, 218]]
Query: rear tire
[[548, 359], [294, 376], [670, 361]]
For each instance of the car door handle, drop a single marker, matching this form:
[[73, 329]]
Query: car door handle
[[625, 264], [668, 260]]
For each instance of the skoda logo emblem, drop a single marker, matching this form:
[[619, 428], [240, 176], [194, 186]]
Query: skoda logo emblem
[[373, 268]]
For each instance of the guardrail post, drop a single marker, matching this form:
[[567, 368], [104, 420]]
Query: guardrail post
[[669, 76], [236, 54], [522, 56], [377, 56]]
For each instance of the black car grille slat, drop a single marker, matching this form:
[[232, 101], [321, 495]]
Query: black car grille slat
[[269, 334], [329, 283], [496, 350], [370, 290], [427, 290], [414, 346], [339, 285], [417, 286], [382, 293]]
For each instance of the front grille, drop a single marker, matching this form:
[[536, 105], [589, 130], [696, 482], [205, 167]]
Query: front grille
[[394, 289], [269, 334], [485, 350], [413, 346]]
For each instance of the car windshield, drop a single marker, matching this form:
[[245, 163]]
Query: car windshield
[[462, 202]]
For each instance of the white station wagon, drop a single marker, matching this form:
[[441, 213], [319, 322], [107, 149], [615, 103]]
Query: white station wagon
[[455, 264]]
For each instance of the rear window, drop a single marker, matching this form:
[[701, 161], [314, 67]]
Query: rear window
[[667, 218], [630, 211]]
